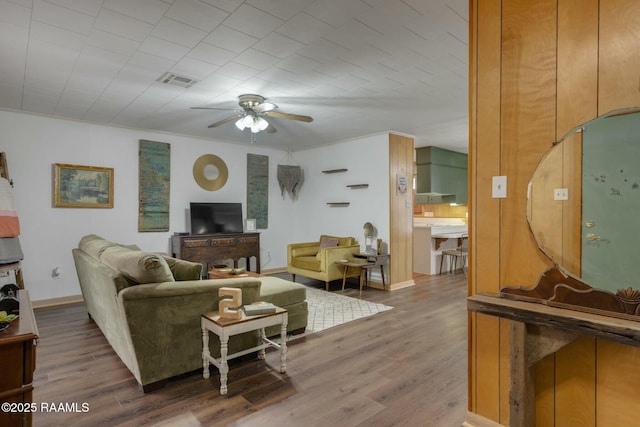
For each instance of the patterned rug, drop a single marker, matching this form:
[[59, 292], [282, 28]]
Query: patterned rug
[[328, 309]]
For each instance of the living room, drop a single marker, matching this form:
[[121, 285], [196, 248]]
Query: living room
[[50, 233], [63, 109], [538, 69]]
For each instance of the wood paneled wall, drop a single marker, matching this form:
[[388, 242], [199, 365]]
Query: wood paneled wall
[[538, 68], [400, 213]]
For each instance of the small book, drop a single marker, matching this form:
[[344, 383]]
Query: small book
[[259, 308]]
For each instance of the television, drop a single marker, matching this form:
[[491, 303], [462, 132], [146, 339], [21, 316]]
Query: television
[[216, 218]]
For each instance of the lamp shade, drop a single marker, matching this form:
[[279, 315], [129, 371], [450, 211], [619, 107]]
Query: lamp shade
[[259, 124], [256, 124]]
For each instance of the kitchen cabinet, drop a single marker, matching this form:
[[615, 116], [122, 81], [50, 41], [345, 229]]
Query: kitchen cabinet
[[441, 176]]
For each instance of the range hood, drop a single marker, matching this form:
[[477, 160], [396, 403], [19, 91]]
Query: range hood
[[434, 198], [441, 176]]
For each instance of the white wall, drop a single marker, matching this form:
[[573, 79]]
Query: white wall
[[367, 161], [34, 143]]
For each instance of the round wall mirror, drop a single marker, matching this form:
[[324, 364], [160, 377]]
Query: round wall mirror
[[583, 201]]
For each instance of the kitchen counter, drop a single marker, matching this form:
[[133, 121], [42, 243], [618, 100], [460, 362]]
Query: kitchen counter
[[429, 240]]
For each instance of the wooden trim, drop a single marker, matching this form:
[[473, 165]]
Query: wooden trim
[[401, 154], [273, 271], [56, 302], [475, 420], [400, 285], [521, 387], [588, 324]]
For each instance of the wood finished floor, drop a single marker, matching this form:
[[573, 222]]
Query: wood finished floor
[[402, 367]]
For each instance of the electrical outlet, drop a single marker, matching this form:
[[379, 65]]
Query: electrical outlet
[[560, 194]]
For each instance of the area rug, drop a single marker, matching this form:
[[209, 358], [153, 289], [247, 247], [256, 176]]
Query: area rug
[[329, 309]]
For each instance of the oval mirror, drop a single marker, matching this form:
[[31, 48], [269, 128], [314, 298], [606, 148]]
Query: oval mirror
[[584, 198]]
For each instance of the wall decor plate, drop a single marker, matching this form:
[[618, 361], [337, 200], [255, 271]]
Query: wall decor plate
[[210, 172]]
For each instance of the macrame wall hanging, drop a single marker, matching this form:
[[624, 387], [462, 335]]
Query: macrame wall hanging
[[290, 177]]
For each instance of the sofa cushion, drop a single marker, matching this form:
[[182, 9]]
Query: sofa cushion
[[280, 292], [306, 262], [184, 270], [137, 266], [94, 245]]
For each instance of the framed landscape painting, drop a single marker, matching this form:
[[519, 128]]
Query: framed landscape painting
[[76, 186]]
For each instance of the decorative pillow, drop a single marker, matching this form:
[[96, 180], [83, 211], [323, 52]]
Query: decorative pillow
[[138, 267], [327, 242]]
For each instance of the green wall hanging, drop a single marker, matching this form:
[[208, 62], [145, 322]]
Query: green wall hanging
[[154, 175], [258, 189]]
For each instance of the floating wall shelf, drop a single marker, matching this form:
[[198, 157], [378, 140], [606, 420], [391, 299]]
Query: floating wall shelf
[[335, 170], [338, 204], [356, 186]]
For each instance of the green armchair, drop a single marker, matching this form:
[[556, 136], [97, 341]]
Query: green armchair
[[318, 260]]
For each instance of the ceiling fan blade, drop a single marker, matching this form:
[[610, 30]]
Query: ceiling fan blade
[[271, 129], [214, 108], [264, 107], [280, 115], [227, 120]]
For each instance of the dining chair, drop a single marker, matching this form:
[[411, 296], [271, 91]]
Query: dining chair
[[461, 252]]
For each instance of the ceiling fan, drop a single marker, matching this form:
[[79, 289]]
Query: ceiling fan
[[254, 109]]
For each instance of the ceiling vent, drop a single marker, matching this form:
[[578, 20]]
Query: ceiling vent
[[177, 80]]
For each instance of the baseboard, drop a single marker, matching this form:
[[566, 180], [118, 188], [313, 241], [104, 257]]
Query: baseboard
[[401, 285], [475, 420], [274, 270], [55, 302]]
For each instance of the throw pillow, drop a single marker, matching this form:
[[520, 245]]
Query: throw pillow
[[327, 242], [138, 267]]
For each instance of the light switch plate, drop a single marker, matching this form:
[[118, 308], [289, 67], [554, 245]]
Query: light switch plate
[[560, 194], [499, 187]]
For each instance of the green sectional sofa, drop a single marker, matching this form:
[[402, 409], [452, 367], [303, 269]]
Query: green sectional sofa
[[148, 306]]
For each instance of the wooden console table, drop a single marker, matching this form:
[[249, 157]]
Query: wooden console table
[[209, 249], [538, 330], [18, 356]]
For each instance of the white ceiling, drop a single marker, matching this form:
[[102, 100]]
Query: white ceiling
[[357, 67]]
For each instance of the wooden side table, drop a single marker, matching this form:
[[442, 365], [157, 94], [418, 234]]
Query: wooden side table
[[225, 328], [377, 260], [18, 354], [364, 270]]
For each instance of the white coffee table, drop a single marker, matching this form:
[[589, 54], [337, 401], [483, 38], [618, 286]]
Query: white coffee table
[[224, 328]]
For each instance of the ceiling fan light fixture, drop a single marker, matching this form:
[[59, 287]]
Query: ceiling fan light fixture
[[259, 124], [253, 108], [245, 122]]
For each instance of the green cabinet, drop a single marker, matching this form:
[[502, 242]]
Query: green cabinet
[[441, 172]]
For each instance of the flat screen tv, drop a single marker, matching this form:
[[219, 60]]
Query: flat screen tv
[[216, 218]]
